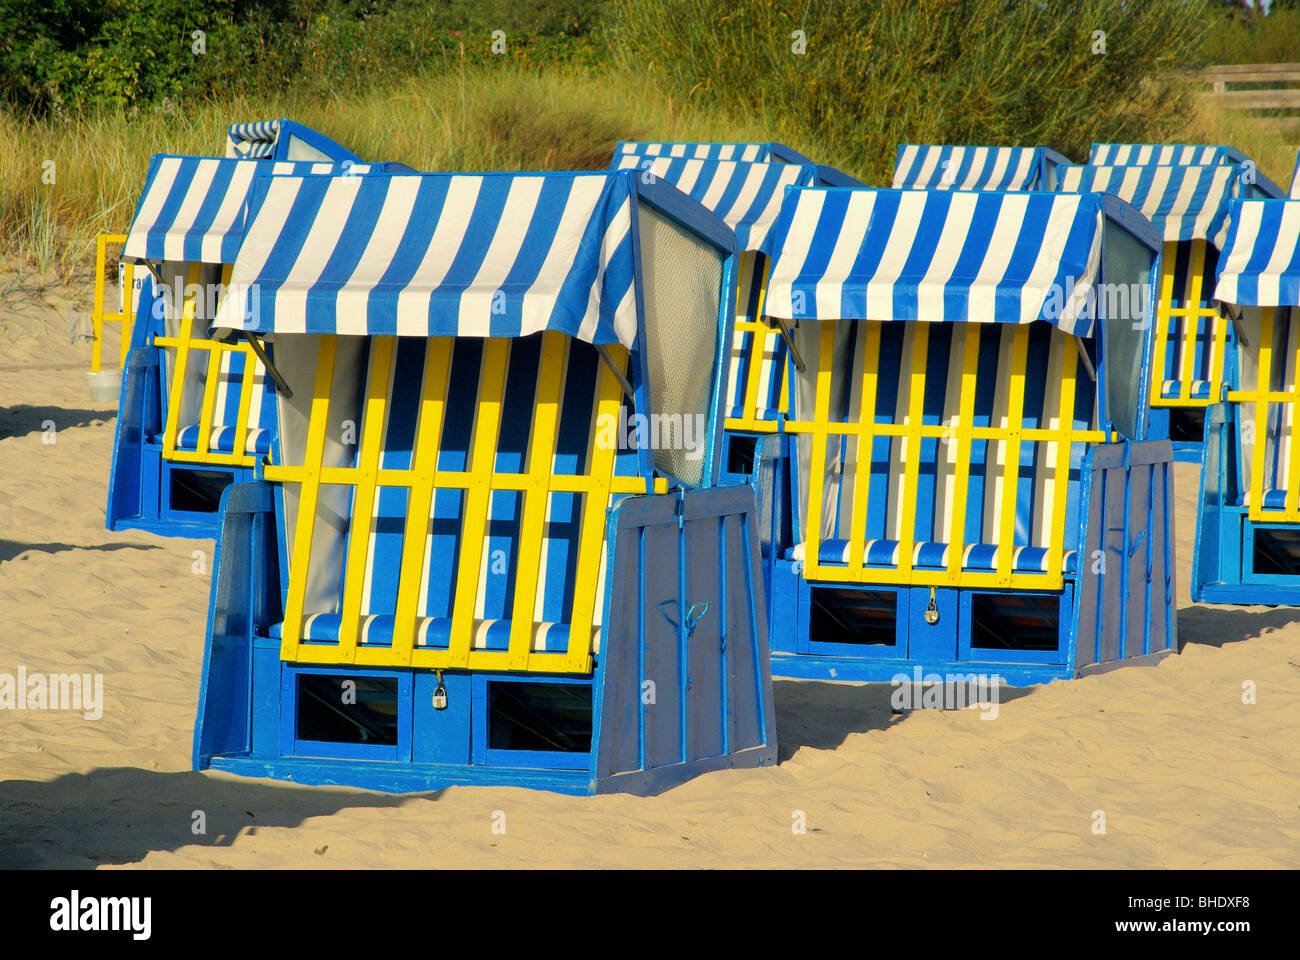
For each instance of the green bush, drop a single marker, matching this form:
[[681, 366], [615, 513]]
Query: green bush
[[878, 73]]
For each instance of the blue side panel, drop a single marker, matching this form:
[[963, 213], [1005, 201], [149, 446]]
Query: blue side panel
[[244, 580], [1127, 595], [139, 416], [688, 638]]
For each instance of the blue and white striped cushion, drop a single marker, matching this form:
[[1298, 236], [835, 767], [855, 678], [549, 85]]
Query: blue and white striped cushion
[[929, 555]]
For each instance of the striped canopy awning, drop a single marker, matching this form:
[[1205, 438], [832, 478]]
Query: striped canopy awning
[[751, 152], [746, 195], [252, 141], [492, 255], [1118, 154], [938, 167], [1260, 264], [1188, 202], [192, 208], [936, 255]]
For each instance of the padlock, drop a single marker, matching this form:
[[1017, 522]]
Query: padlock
[[931, 610], [440, 694]]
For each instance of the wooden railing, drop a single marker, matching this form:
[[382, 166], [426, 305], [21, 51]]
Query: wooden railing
[[1271, 89]]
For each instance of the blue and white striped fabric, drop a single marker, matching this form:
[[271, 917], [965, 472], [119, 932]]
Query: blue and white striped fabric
[[936, 167], [1260, 264], [192, 208], [940, 256], [1295, 178], [491, 255], [746, 195], [1120, 154], [760, 152], [259, 419], [252, 141], [1188, 202]]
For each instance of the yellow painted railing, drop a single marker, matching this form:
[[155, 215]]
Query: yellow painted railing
[[477, 482], [755, 348], [99, 316], [1009, 437], [184, 344], [1273, 456], [1194, 317]]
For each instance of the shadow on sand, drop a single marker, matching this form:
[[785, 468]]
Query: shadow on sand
[[119, 814], [821, 714], [1216, 626], [24, 418], [12, 548]]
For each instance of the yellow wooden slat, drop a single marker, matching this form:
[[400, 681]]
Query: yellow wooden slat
[[912, 446], [1286, 439], [172, 426], [1191, 325], [477, 500], [532, 521], [865, 441], [1163, 322], [963, 436], [1263, 382], [591, 536], [373, 423], [97, 310], [308, 493], [1061, 469], [817, 455], [1011, 448], [433, 406]]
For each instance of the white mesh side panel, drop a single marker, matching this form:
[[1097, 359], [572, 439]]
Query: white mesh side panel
[[302, 150], [682, 279], [295, 358]]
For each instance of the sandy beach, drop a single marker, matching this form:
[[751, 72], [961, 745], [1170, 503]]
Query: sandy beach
[[1186, 774]]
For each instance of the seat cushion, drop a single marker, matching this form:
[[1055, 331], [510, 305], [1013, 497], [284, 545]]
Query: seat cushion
[[435, 633], [222, 439], [1273, 500], [1171, 389], [928, 555]]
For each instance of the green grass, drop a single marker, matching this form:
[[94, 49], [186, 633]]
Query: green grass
[[874, 74]]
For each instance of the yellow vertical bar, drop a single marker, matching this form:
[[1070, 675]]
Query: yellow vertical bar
[[492, 380], [1169, 263], [1192, 321], [817, 437], [757, 343], [433, 405], [912, 448], [97, 313], [535, 494], [171, 427], [866, 441], [965, 423], [1287, 435], [308, 493], [591, 537], [1011, 446], [215, 353], [128, 312], [1263, 384], [363, 499], [1064, 443]]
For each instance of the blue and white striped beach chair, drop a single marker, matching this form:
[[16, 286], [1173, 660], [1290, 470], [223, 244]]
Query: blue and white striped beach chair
[[948, 167], [1248, 534], [747, 195], [194, 413], [492, 511], [1188, 202], [978, 486]]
